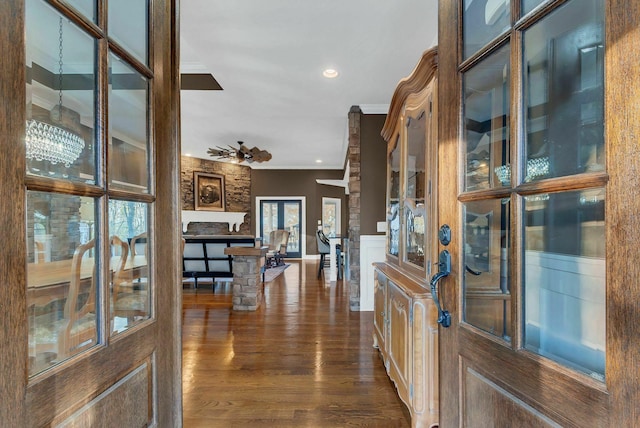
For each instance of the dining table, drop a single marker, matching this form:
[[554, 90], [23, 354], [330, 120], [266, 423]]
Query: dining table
[[49, 281]]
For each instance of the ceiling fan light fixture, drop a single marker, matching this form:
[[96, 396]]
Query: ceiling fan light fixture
[[241, 154]]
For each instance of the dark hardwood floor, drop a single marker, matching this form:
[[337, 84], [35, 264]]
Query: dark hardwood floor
[[302, 360]]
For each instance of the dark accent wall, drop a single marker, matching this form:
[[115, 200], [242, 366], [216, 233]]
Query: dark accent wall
[[373, 172], [367, 156], [297, 182]]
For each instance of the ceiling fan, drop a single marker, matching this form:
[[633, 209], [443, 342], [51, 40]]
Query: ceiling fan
[[241, 154]]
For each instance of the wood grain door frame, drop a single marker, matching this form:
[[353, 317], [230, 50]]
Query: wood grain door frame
[[548, 394], [147, 358]]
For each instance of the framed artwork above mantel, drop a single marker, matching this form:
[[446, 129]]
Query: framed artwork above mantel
[[208, 191]]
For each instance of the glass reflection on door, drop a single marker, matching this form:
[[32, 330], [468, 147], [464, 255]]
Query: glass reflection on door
[[487, 291], [61, 278], [564, 92], [564, 278]]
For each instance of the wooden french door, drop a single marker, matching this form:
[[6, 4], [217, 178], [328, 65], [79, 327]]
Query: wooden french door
[[537, 165], [91, 215]]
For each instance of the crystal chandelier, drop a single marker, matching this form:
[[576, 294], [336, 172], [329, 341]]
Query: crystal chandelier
[[49, 142]]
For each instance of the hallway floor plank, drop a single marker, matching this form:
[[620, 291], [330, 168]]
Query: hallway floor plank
[[302, 360]]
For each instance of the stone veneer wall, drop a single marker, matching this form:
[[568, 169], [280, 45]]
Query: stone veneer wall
[[237, 183], [62, 213], [354, 207], [248, 288]]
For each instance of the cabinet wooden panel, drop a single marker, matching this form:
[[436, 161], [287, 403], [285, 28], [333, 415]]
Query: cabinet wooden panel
[[379, 311], [406, 332], [399, 341]]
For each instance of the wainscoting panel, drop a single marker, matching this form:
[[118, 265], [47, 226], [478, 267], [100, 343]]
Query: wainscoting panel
[[372, 250]]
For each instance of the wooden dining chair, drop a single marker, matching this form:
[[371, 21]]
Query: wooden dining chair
[[78, 328], [56, 335], [139, 245], [129, 299], [40, 249], [278, 241]]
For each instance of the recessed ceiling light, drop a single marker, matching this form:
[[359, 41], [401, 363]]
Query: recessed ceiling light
[[330, 73], [318, 160], [187, 154]]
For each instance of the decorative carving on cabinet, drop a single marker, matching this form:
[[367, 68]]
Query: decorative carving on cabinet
[[415, 82]]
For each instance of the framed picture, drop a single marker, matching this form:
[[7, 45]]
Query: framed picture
[[208, 191]]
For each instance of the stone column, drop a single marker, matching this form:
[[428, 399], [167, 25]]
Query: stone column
[[355, 115], [247, 281]]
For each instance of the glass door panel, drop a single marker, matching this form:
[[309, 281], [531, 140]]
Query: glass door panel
[[486, 120], [487, 288], [483, 20], [415, 212], [564, 281], [128, 127], [564, 92], [129, 26], [529, 5], [291, 222], [129, 242], [268, 218], [61, 277], [86, 7], [393, 212], [282, 215], [61, 85]]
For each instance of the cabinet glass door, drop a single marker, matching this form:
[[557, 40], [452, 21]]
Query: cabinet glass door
[[393, 209], [415, 208]]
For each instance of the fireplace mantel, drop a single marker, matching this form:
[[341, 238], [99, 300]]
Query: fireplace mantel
[[235, 219]]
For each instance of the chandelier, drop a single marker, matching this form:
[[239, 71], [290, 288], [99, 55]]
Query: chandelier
[[49, 142]]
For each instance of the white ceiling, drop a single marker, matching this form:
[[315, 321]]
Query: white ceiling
[[268, 56]]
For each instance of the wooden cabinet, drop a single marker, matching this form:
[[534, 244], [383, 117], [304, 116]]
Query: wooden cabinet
[[406, 333], [405, 326]]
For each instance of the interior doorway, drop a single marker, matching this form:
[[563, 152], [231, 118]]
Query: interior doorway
[[331, 214], [282, 213]]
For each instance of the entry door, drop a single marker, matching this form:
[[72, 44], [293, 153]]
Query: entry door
[[535, 182], [90, 313], [282, 214]]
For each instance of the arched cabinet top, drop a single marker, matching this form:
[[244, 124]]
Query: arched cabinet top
[[419, 78]]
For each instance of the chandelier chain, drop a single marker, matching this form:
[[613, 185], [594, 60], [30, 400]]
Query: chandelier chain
[[60, 70]]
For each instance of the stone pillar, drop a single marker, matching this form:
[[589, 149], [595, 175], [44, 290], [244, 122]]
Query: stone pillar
[[354, 208], [247, 281]]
